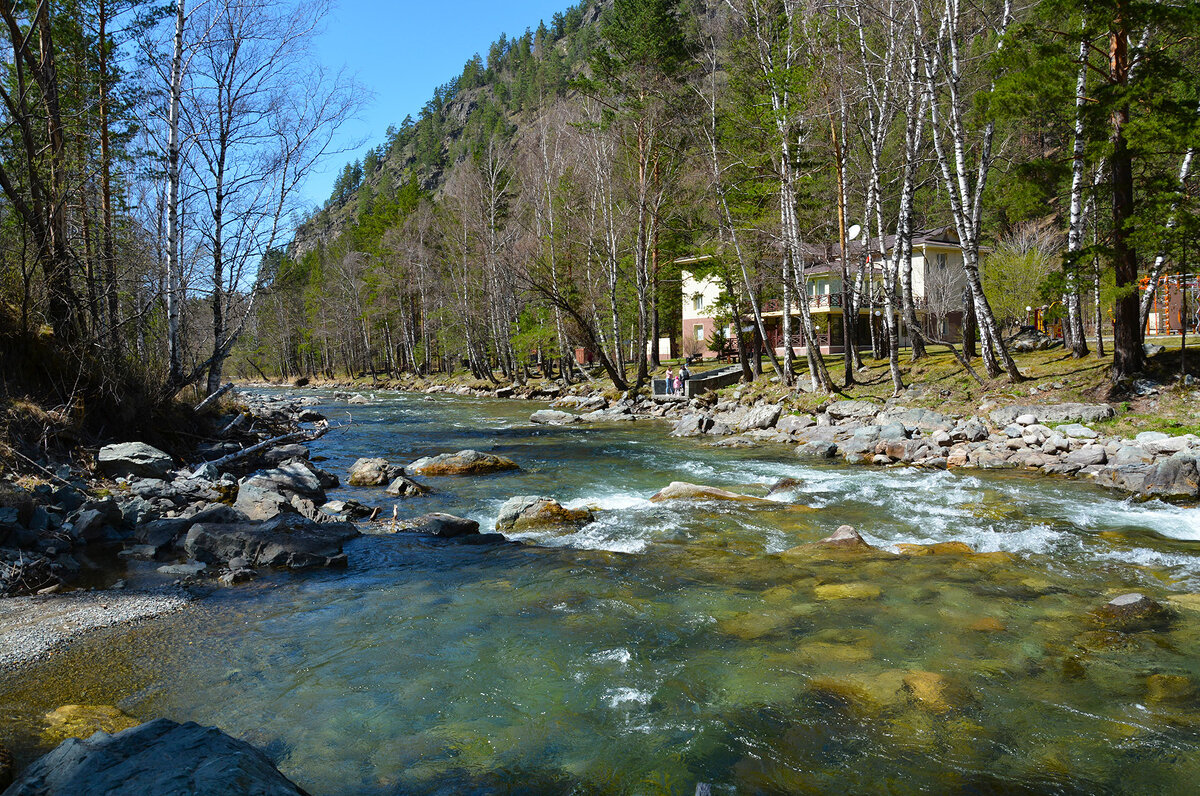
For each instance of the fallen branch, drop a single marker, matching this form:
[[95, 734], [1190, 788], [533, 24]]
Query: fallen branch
[[214, 396], [306, 435]]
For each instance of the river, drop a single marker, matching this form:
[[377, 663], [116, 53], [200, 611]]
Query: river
[[668, 644]]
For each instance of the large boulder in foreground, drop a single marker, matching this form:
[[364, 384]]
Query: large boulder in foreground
[[682, 490], [532, 511], [159, 757], [288, 541], [371, 472], [468, 462], [134, 458]]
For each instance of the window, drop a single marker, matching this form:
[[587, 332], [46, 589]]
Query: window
[[698, 332], [941, 262], [698, 303]]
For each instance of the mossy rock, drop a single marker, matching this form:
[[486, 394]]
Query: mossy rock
[[847, 591], [83, 721]]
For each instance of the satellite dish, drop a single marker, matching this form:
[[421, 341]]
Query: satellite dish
[[853, 232]]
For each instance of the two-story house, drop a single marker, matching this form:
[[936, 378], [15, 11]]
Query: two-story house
[[937, 281]]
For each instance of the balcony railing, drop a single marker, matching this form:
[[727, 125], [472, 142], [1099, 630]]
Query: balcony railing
[[814, 302]]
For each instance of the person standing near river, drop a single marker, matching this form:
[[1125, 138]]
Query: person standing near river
[[670, 382], [684, 375]]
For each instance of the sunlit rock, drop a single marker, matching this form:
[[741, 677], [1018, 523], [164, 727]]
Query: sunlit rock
[[467, 462], [682, 490], [371, 472], [553, 417], [403, 486], [987, 624], [82, 721], [531, 511], [847, 591], [939, 548], [1170, 688], [933, 691]]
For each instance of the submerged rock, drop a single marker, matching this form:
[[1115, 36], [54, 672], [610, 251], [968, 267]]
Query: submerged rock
[[682, 490], [1132, 612], [161, 758], [83, 721], [847, 591], [466, 462], [532, 511]]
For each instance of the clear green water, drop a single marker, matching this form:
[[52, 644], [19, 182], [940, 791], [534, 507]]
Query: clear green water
[[670, 644]]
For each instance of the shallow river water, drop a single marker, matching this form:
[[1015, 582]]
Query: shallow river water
[[675, 643]]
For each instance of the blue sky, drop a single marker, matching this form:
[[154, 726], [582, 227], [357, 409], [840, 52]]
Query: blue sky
[[400, 50]]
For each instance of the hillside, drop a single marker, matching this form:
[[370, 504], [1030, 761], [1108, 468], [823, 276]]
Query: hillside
[[492, 97]]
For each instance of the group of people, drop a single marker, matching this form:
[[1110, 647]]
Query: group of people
[[675, 383]]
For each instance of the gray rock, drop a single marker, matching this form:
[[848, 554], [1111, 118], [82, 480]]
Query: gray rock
[[974, 430], [256, 503], [817, 450], [288, 541], [1133, 612], [159, 757], [370, 472], [446, 526], [692, 425], [553, 417], [1130, 454], [1170, 445], [991, 460], [281, 453], [1026, 420], [1077, 430], [759, 417], [1088, 455], [1150, 436], [294, 477], [358, 399], [848, 410], [183, 570], [1054, 413], [403, 486], [1175, 476], [1013, 431], [790, 424], [924, 419], [1153, 349], [133, 458]]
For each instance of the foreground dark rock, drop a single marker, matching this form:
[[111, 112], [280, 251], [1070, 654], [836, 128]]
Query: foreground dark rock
[[289, 541], [468, 462], [160, 758], [532, 511], [1133, 612]]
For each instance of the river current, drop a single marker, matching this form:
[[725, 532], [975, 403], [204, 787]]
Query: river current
[[668, 644]]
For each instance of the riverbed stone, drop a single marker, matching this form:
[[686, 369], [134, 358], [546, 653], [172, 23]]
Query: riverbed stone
[[446, 526], [465, 462], [403, 486], [1088, 456], [932, 691], [82, 721], [792, 424], [1133, 612], [371, 472], [188, 569], [289, 541], [134, 459], [682, 490], [553, 417], [1170, 688], [857, 590], [532, 511], [159, 757]]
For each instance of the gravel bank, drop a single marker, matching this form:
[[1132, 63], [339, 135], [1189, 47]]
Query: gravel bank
[[31, 627]]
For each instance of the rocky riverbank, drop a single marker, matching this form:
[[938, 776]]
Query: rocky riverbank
[[1050, 438]]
